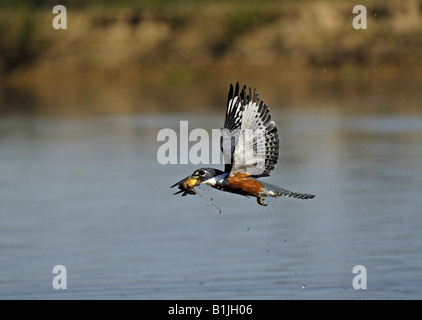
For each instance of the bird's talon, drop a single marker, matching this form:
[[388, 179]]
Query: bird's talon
[[260, 200]]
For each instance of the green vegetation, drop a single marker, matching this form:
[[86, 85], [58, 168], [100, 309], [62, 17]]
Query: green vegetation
[[240, 22], [20, 42], [174, 36]]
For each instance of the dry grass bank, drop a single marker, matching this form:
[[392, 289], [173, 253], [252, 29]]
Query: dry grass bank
[[293, 43], [310, 33]]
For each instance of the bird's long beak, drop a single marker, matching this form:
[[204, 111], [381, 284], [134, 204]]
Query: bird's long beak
[[180, 182], [190, 180], [187, 184]]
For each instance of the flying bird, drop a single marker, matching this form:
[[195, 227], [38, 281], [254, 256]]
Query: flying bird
[[250, 146]]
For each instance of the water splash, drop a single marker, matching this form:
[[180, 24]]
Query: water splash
[[210, 203]]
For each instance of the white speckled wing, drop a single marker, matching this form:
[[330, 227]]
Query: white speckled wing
[[255, 147]]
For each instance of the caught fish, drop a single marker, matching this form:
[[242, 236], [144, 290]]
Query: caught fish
[[186, 186]]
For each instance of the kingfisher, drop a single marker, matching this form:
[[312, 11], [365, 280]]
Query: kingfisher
[[250, 146]]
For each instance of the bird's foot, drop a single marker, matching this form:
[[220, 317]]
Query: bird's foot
[[260, 200]]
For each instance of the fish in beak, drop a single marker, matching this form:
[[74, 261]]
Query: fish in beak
[[186, 185]]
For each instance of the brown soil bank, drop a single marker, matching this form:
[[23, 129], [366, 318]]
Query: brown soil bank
[[167, 42], [312, 33]]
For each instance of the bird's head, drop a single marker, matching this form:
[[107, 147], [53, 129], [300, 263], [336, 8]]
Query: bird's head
[[200, 176]]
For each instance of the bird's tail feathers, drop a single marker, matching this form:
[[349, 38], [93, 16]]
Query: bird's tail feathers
[[276, 191], [297, 195]]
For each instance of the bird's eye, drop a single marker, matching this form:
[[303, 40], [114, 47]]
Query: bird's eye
[[201, 172]]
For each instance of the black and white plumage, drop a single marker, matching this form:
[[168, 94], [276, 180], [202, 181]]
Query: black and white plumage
[[249, 139], [250, 147]]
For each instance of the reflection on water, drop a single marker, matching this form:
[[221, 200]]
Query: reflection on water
[[89, 194]]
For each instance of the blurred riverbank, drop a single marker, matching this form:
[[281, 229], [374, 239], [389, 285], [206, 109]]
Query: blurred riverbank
[[120, 58]]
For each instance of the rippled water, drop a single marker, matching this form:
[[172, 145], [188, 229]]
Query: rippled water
[[89, 194]]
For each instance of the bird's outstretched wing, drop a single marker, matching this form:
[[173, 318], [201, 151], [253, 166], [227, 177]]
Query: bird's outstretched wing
[[249, 139], [232, 124]]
